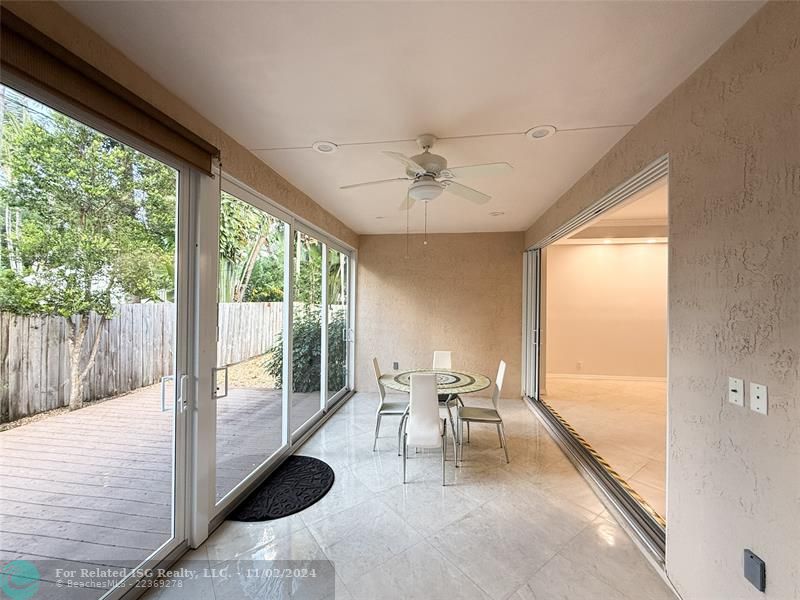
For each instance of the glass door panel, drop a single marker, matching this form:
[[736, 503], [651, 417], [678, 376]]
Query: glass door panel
[[90, 279], [531, 323], [249, 341], [307, 330], [337, 314]]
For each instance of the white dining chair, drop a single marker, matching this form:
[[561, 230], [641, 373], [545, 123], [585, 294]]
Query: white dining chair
[[386, 407], [475, 414], [443, 359], [423, 427]]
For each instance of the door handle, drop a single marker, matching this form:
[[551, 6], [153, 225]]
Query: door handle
[[182, 402], [214, 374], [164, 380]]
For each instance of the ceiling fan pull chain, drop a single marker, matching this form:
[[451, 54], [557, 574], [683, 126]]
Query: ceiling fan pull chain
[[408, 210], [425, 243]]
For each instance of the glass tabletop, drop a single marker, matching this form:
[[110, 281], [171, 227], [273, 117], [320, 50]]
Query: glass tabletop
[[447, 381]]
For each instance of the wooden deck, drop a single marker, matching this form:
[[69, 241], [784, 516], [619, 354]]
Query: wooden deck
[[94, 487]]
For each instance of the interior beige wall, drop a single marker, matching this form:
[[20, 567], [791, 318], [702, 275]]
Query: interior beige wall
[[607, 309], [239, 162], [461, 292], [732, 131]]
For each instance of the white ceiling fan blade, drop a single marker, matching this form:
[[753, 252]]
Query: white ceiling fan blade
[[355, 185], [467, 193], [407, 203], [485, 170], [409, 164]]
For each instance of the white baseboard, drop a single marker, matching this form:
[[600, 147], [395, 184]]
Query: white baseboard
[[607, 377]]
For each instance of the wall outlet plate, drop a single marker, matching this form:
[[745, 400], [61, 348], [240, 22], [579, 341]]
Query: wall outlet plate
[[758, 398], [736, 391], [755, 570], [396, 366]]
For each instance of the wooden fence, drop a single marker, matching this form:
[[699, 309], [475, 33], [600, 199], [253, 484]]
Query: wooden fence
[[247, 329], [136, 349]]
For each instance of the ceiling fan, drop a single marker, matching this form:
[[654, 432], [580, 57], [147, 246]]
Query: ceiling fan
[[430, 176]]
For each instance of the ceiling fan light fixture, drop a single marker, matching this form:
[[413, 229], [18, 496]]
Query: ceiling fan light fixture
[[425, 189], [324, 147], [540, 132]]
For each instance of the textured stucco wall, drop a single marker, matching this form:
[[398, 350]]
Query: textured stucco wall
[[239, 162], [461, 292], [732, 131]]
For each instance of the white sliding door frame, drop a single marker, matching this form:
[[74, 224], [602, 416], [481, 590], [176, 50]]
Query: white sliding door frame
[[531, 328]]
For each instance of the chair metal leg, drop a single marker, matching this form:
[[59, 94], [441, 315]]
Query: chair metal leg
[[405, 452], [460, 455], [444, 446], [400, 431], [505, 442], [468, 432], [500, 436], [377, 432], [453, 428]]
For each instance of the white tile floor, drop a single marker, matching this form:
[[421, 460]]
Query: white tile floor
[[625, 421], [528, 529]]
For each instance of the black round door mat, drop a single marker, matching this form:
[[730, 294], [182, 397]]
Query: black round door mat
[[297, 484]]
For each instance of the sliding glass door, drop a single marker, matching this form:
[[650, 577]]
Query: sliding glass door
[[531, 323], [94, 321], [249, 388], [307, 325], [337, 314]]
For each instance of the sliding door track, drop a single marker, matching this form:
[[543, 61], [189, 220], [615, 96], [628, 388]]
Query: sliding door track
[[643, 521]]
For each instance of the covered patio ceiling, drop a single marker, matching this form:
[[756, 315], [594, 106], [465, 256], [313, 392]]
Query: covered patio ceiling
[[279, 76]]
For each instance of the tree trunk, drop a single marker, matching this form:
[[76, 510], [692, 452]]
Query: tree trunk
[[241, 287], [75, 342]]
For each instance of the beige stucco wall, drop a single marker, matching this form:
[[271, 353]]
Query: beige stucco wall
[[607, 309], [239, 162], [732, 131], [461, 292]]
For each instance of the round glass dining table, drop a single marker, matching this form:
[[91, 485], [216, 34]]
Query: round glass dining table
[[447, 381]]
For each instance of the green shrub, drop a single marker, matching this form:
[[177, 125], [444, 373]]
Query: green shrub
[[306, 349]]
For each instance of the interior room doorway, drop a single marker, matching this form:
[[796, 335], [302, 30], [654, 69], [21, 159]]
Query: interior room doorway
[[605, 313], [596, 345]]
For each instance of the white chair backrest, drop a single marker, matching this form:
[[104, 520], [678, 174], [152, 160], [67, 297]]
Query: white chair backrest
[[423, 413], [442, 359], [498, 383], [381, 389]]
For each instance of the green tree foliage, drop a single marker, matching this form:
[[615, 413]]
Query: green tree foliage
[[307, 326], [306, 352], [88, 223], [250, 253]]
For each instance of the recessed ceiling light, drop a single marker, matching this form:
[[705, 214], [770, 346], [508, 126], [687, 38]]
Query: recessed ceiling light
[[325, 147], [540, 132], [496, 213], [606, 241], [651, 241]]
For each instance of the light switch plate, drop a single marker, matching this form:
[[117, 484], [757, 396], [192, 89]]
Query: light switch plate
[[736, 391], [758, 398]]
